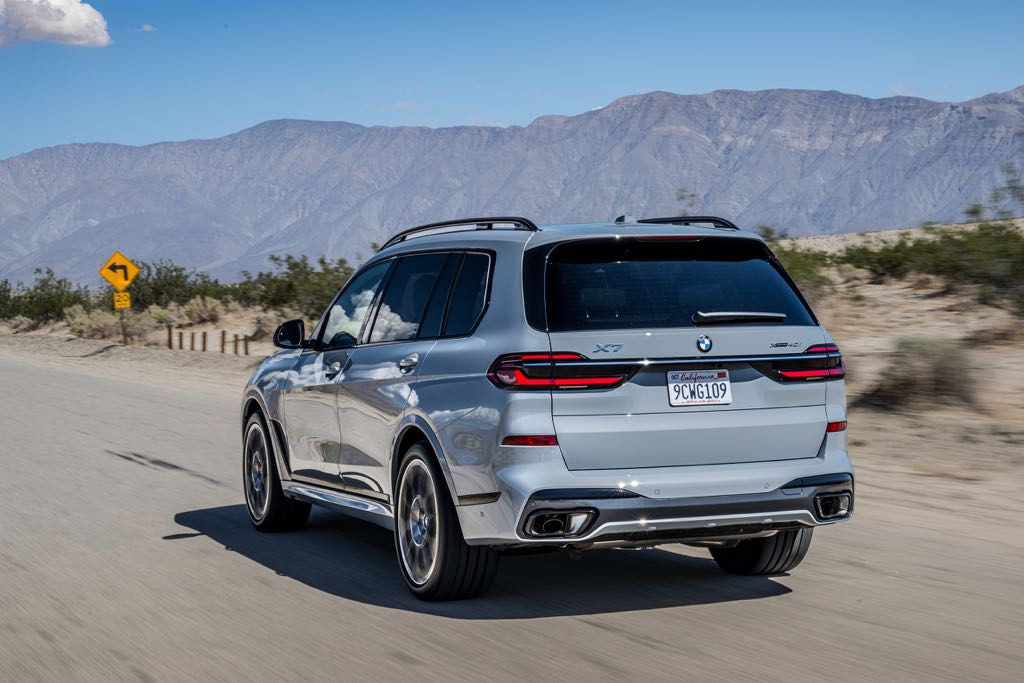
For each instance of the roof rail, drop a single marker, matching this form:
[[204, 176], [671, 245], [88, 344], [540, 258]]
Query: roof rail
[[479, 223], [690, 220]]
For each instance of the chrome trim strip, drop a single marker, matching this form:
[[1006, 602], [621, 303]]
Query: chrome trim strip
[[703, 360], [371, 510], [682, 523], [479, 498]]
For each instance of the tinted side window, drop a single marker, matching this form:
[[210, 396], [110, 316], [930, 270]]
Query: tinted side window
[[434, 316], [348, 312], [405, 299], [469, 295]]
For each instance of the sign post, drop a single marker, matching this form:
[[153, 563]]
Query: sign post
[[119, 271]]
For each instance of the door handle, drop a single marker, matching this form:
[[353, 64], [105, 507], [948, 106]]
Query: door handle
[[408, 363], [332, 370]]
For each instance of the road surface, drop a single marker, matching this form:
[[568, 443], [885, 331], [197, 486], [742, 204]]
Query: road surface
[[126, 554]]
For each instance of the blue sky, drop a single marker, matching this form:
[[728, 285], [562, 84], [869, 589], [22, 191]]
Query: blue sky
[[208, 68]]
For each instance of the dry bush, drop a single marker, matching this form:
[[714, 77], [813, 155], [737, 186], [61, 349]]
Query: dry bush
[[263, 327], [203, 309], [104, 324], [20, 323], [922, 372], [95, 324]]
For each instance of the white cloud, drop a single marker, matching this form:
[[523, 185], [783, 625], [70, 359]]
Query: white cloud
[[148, 28], [70, 22]]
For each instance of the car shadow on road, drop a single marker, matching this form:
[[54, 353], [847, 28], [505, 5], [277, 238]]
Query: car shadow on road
[[356, 561]]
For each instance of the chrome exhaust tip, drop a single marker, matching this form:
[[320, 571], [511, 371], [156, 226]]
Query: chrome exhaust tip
[[558, 524], [831, 506]]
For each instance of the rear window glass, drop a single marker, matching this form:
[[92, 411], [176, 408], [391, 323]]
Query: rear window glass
[[627, 283]]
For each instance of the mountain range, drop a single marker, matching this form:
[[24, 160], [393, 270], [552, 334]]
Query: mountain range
[[809, 162]]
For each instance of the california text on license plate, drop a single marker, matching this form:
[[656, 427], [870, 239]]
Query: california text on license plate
[[699, 388]]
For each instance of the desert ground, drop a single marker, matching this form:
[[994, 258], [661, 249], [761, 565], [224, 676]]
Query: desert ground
[[126, 553]]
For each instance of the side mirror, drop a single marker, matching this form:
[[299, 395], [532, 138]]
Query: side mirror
[[290, 335]]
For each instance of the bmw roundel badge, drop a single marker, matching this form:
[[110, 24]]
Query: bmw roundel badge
[[703, 343]]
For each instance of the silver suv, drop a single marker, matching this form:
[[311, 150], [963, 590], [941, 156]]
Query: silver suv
[[485, 385]]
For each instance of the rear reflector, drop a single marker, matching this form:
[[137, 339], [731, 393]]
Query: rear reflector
[[833, 427], [531, 440], [543, 371]]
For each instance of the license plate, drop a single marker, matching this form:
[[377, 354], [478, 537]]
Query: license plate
[[699, 388]]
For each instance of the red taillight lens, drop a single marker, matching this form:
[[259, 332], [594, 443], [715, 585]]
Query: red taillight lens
[[563, 370], [823, 373], [833, 427], [530, 440], [826, 365]]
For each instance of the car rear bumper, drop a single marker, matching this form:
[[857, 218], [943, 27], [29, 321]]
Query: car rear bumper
[[612, 517], [622, 517]]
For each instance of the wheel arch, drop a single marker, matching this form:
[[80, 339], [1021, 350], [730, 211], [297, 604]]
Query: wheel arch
[[415, 429], [253, 403]]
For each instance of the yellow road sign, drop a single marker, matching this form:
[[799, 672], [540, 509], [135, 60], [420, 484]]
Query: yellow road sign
[[122, 300], [119, 271]]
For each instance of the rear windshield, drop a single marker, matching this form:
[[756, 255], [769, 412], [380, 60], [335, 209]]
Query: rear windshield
[[628, 283]]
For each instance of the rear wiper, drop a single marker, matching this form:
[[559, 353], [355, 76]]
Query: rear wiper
[[717, 317]]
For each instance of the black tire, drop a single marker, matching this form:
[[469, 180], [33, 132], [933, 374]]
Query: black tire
[[760, 556], [433, 556], [276, 512]]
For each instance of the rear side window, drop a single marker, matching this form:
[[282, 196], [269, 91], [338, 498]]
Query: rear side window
[[628, 283], [434, 317], [406, 296], [469, 296]]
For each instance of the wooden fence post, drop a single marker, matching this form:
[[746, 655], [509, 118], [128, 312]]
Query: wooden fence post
[[223, 340], [192, 341], [247, 345], [204, 340], [170, 337], [236, 344], [181, 340]]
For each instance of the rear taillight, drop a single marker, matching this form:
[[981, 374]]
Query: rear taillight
[[824, 362], [526, 371]]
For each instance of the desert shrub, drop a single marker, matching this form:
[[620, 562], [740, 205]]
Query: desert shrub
[[203, 309], [805, 266], [20, 323], [991, 256], [164, 316], [921, 372], [7, 302], [95, 324], [47, 299], [295, 283], [263, 327], [162, 283], [106, 324]]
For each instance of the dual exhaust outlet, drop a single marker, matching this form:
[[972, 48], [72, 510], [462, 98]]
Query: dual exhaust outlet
[[558, 523]]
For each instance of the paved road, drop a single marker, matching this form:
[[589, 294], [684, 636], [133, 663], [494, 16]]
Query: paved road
[[125, 554]]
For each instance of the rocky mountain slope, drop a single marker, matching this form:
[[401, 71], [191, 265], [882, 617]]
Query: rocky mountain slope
[[808, 161]]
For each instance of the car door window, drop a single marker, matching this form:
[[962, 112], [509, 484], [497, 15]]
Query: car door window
[[469, 296], [406, 296], [349, 311]]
